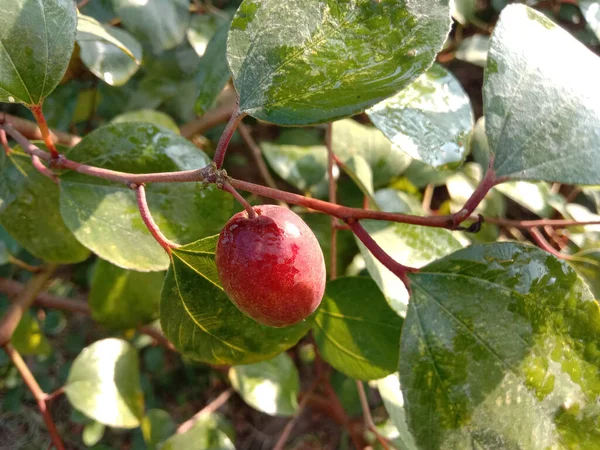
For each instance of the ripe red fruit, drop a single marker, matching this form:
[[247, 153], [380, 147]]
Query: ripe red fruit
[[271, 266]]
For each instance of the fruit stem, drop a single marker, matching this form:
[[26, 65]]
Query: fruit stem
[[394, 266], [142, 202], [233, 123], [228, 188]]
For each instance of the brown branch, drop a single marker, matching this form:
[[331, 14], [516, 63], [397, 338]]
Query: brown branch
[[46, 300], [23, 265], [36, 391], [256, 155], [208, 409], [368, 418], [285, 434], [209, 120], [541, 242], [14, 313], [557, 223], [4, 142], [142, 203], [32, 131], [226, 136]]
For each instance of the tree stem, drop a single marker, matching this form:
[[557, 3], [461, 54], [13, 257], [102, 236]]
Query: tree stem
[[41, 121], [223, 143], [333, 200], [37, 393], [149, 221], [208, 409]]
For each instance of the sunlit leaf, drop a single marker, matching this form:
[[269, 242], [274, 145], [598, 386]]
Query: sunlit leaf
[[270, 386], [104, 384], [591, 12], [28, 338], [157, 425], [473, 49], [149, 116], [429, 120], [210, 432], [308, 61], [214, 71], [499, 351], [541, 101], [391, 394]]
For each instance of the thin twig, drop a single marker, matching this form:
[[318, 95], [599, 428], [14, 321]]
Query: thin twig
[[427, 197], [400, 270], [541, 241], [209, 120], [208, 409], [37, 393], [285, 434], [149, 221], [23, 265], [57, 393], [4, 142], [14, 313], [226, 136], [41, 168], [332, 199], [524, 224], [247, 206], [256, 155], [368, 418]]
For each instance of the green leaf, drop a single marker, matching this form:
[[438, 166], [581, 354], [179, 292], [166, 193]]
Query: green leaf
[[90, 30], [203, 28], [157, 425], [29, 211], [302, 164], [310, 61], [28, 338], [536, 197], [591, 12], [160, 23], [463, 11], [92, 433], [429, 120], [542, 105], [148, 116], [104, 384], [122, 299], [350, 138], [270, 386], [411, 245], [8, 246], [114, 55], [360, 342], [201, 321], [214, 71], [36, 43], [104, 215], [391, 394], [587, 264], [500, 350], [210, 432]]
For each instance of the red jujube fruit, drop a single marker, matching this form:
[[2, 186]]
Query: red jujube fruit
[[271, 266]]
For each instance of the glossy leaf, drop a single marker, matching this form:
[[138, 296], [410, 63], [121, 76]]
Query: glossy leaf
[[160, 23], [536, 197], [591, 12], [201, 321], [410, 245], [28, 338], [148, 116], [271, 386], [29, 212], [114, 61], [499, 351], [104, 384], [391, 394], [210, 432], [36, 43], [429, 120], [541, 101], [310, 61], [157, 425], [90, 30], [214, 72], [122, 299], [94, 209], [203, 28], [360, 342]]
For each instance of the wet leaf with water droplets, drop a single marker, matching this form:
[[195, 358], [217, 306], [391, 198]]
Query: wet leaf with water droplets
[[309, 61], [199, 319], [500, 348], [429, 120], [541, 101]]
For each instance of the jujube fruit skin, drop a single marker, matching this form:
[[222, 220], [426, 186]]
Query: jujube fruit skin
[[271, 266]]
